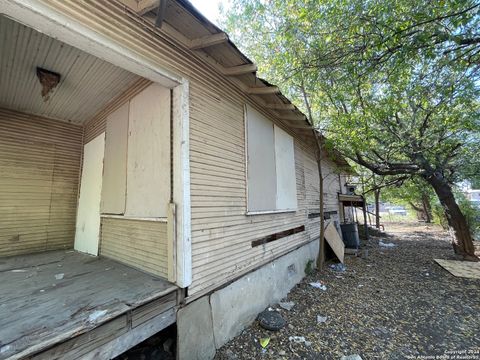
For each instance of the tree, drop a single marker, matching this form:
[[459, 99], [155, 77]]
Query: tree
[[375, 184], [416, 193], [394, 86]]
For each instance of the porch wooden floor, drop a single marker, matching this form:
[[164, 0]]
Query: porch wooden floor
[[48, 298]]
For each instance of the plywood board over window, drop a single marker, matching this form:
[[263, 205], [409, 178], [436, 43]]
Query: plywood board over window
[[115, 164], [148, 162], [285, 170], [261, 162], [271, 179]]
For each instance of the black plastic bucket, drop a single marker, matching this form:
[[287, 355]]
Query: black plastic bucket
[[350, 235]]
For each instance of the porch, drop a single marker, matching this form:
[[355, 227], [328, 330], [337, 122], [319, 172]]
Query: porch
[[90, 224], [65, 304]]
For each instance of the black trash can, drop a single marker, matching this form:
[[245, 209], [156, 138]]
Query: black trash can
[[350, 235]]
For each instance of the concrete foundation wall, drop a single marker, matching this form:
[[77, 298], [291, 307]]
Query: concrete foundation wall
[[208, 323]]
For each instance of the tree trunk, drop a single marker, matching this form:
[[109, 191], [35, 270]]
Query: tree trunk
[[321, 250], [421, 215], [427, 208], [377, 208], [461, 237]]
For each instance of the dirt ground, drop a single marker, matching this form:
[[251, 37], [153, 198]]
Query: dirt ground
[[396, 303]]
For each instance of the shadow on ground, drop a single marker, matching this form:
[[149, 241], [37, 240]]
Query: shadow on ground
[[396, 303]]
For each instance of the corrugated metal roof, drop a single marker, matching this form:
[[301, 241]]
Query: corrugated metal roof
[[87, 83]]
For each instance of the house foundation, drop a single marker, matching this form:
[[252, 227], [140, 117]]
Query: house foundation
[[210, 322]]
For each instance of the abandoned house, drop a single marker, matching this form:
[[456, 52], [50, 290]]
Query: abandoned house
[[147, 177]]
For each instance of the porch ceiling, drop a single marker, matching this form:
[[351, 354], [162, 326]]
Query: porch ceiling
[[86, 85]]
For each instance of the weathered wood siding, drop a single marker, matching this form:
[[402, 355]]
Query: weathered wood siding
[[39, 171], [221, 232], [138, 243], [331, 185]]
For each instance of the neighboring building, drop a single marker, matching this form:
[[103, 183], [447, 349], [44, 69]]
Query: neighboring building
[[147, 177]]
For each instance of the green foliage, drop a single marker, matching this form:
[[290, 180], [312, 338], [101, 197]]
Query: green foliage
[[395, 83], [411, 191], [309, 267], [439, 215]]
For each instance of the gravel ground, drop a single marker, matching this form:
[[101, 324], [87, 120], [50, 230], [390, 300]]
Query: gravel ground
[[396, 303]]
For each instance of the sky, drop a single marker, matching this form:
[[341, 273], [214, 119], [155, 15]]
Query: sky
[[209, 8]]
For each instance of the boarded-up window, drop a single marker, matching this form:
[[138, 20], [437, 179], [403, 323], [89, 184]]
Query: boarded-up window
[[271, 178], [261, 162], [115, 162], [136, 178], [148, 161], [285, 169]]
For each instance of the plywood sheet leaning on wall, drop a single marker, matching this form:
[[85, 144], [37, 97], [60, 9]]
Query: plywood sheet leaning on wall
[[334, 240], [148, 163], [87, 232]]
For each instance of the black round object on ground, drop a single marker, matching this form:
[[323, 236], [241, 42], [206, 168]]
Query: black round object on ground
[[271, 320]]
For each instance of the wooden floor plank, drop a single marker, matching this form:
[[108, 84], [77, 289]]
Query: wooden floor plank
[[50, 297]]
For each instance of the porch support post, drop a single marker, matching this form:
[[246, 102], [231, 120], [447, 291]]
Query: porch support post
[[181, 185]]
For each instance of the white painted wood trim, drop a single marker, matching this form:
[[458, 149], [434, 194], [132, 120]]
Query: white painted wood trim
[[52, 23], [181, 184], [111, 216], [171, 243], [245, 131]]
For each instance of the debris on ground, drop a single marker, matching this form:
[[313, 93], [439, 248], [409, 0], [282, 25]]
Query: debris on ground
[[297, 339], [321, 319], [466, 269], [339, 267], [286, 305], [59, 276], [318, 285], [351, 357], [349, 251], [387, 245], [396, 313], [264, 342], [271, 320]]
